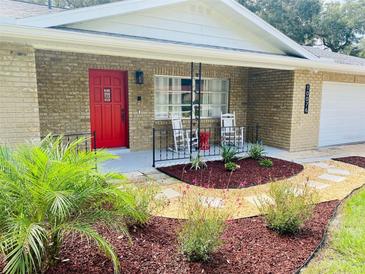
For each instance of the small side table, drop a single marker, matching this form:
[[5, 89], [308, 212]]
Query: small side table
[[204, 140]]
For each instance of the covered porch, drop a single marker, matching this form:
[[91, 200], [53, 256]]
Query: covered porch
[[257, 96]]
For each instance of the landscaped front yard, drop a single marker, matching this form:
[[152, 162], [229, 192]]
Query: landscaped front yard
[[59, 215]]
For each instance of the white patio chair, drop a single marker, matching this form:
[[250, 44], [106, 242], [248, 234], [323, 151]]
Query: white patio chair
[[230, 133], [182, 136]]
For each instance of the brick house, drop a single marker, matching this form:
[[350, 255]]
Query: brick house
[[69, 71]]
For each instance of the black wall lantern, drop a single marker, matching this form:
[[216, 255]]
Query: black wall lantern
[[139, 77]]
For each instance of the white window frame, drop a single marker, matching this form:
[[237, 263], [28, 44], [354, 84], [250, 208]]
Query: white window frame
[[194, 95]]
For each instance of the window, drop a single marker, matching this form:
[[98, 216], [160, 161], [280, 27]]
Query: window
[[172, 96]]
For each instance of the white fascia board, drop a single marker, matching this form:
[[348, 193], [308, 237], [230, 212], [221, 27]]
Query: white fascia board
[[93, 12], [269, 29], [53, 39]]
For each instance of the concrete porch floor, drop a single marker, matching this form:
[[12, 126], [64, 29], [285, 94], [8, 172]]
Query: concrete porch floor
[[141, 161]]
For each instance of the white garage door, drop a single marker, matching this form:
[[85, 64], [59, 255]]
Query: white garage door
[[342, 114]]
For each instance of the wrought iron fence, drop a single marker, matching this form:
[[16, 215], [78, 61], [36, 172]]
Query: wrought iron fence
[[88, 143], [182, 144]]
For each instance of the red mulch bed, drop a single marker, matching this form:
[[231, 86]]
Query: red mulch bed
[[249, 247], [250, 173], [353, 160]]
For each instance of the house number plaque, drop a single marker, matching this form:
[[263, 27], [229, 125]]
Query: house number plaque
[[306, 98], [107, 95]]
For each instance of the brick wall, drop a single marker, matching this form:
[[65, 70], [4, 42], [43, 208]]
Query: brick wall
[[19, 117], [276, 103], [305, 127], [270, 105], [63, 87]]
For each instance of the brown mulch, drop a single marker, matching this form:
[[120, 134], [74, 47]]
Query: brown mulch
[[249, 247], [353, 160], [250, 173]]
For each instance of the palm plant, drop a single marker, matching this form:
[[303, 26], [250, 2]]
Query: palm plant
[[50, 191]]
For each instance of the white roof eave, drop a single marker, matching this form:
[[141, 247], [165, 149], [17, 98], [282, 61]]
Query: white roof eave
[[93, 12], [129, 6], [54, 39]]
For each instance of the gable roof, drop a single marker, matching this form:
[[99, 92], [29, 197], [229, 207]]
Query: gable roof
[[335, 57], [265, 30], [20, 9]]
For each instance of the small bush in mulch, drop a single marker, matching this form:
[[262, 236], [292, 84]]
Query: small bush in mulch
[[353, 160], [249, 174], [257, 151], [200, 235], [198, 163], [248, 247], [266, 163], [289, 207], [230, 166], [229, 154]]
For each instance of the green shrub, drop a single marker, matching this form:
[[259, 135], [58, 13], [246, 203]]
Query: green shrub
[[256, 151], [145, 203], [288, 208], [266, 163], [198, 163], [200, 235], [229, 154], [231, 166], [49, 191]]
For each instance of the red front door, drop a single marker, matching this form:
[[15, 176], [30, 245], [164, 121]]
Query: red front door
[[108, 107]]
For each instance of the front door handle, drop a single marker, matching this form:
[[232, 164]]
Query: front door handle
[[123, 114]]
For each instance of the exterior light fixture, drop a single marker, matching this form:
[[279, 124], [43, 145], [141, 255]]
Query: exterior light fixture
[[139, 77]]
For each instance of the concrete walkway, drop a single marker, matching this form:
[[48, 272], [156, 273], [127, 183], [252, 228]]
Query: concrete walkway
[[323, 154]]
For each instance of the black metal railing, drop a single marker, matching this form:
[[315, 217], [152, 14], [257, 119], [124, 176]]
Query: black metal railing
[[88, 143], [180, 144]]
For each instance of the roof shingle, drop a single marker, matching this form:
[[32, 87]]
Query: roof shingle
[[337, 58]]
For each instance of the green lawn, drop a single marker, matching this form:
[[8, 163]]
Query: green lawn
[[345, 252]]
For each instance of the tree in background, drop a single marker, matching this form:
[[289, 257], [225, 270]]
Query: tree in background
[[296, 18], [342, 26], [339, 26], [362, 49]]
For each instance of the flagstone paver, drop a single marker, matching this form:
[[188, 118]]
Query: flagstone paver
[[316, 185], [332, 178], [168, 193], [212, 202], [338, 171], [322, 165], [257, 199]]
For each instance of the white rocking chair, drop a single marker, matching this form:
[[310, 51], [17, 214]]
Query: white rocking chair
[[182, 136], [231, 135]]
